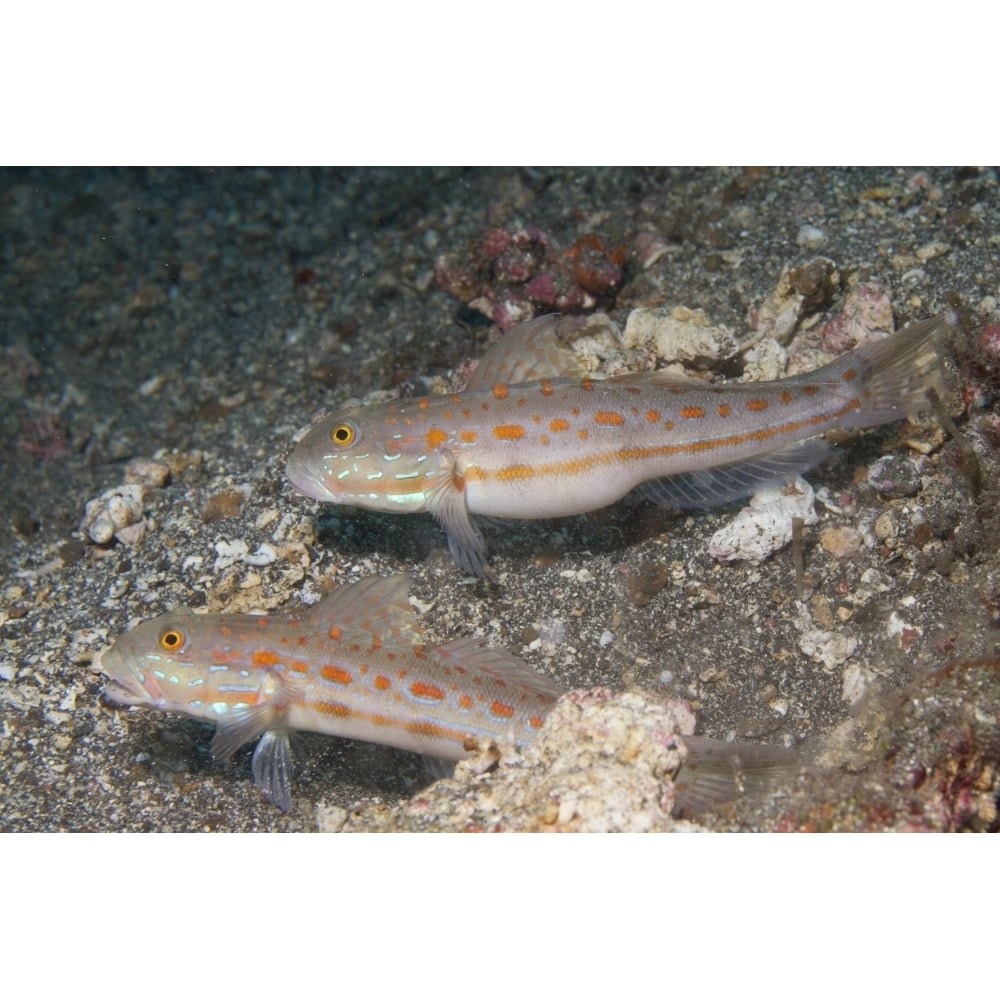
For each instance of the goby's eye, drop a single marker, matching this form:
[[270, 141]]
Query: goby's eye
[[171, 639], [343, 435]]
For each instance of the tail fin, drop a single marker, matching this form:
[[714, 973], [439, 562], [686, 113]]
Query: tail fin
[[716, 771], [892, 375]]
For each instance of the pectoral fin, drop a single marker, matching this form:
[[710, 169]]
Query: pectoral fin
[[465, 540]]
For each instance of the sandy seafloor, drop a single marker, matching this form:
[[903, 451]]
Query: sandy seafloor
[[201, 317]]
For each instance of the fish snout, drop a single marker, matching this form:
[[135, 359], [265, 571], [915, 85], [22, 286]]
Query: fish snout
[[308, 478], [123, 684]]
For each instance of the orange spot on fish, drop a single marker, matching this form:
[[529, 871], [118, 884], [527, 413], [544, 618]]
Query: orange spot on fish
[[382, 682], [336, 674], [653, 415], [810, 390], [299, 666], [263, 658], [421, 689], [434, 437], [501, 709], [609, 418], [508, 432], [458, 482], [376, 643], [522, 400], [226, 630], [546, 387], [423, 402], [692, 412], [500, 390], [575, 410], [466, 412], [543, 439], [536, 418], [583, 434], [668, 425], [535, 721], [464, 701], [757, 405], [785, 397], [557, 424], [456, 397], [587, 384], [484, 405], [335, 632], [723, 409], [468, 437], [850, 375]]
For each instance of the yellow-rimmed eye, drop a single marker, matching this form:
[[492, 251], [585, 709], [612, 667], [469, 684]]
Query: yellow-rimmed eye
[[171, 639], [343, 435]]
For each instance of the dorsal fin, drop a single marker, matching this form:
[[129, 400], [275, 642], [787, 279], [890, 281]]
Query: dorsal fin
[[526, 353], [472, 653], [377, 604]]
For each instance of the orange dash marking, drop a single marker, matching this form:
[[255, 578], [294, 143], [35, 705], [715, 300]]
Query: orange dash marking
[[421, 689], [508, 432], [535, 721], [609, 418], [692, 412], [263, 658], [757, 405], [382, 682], [501, 709], [500, 390], [850, 375], [723, 409], [785, 397], [586, 384], [468, 437], [558, 424], [336, 674], [810, 390]]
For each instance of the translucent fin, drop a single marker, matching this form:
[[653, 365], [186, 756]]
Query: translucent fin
[[272, 768], [707, 487], [465, 540], [526, 353], [716, 771], [378, 604], [474, 654], [231, 734], [438, 767], [894, 373]]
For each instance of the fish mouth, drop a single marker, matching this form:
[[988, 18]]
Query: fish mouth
[[122, 686], [306, 480]]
